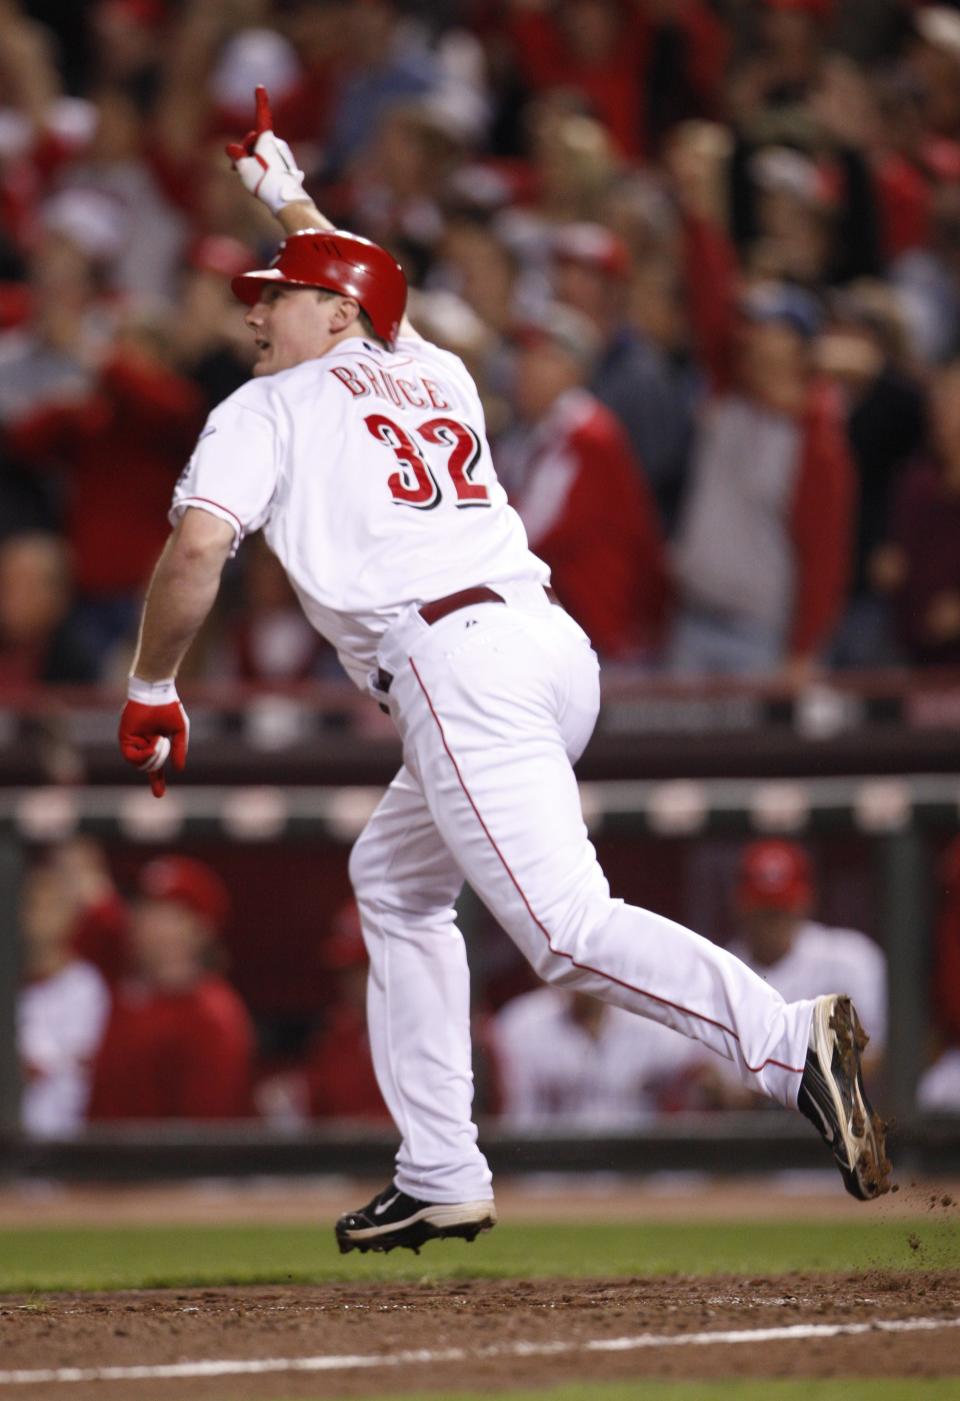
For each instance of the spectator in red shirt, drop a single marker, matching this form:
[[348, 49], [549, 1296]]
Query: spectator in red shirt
[[179, 1042], [639, 67], [122, 446], [571, 475]]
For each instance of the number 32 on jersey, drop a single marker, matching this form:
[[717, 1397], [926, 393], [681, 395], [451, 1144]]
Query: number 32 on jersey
[[414, 482]]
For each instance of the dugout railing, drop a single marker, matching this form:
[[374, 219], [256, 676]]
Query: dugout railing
[[901, 817]]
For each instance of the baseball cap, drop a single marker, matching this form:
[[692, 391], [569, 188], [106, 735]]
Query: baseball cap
[[563, 326], [780, 169], [773, 875], [593, 246], [88, 218], [188, 882], [252, 56], [780, 301], [220, 254]]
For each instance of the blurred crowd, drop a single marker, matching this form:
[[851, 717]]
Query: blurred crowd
[[702, 257], [129, 1010]]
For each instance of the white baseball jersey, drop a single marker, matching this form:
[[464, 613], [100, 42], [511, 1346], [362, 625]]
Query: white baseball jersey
[[823, 959], [60, 1021], [555, 1073], [371, 477]]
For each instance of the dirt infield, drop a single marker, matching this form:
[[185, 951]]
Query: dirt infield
[[498, 1334], [361, 1340]]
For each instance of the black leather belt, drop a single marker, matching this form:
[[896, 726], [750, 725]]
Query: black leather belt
[[438, 608]]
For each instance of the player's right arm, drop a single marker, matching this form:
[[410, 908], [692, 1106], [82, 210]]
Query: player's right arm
[[153, 723], [224, 492], [268, 169], [182, 591]]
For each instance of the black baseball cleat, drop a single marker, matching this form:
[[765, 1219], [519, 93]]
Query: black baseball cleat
[[393, 1219], [834, 1100]]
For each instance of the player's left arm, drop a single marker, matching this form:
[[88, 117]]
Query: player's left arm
[[154, 724], [268, 169]]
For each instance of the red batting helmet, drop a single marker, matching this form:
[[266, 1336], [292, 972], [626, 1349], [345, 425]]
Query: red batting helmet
[[339, 262]]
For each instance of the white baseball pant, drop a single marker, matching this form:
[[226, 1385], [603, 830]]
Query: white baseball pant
[[494, 703]]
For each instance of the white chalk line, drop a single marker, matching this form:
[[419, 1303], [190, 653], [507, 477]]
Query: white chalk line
[[348, 1361]]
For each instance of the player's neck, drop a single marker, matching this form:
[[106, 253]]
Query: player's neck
[[345, 337]]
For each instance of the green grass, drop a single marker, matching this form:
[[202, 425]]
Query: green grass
[[45, 1259], [735, 1389]]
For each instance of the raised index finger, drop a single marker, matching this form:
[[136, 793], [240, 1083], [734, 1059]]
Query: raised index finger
[[264, 120]]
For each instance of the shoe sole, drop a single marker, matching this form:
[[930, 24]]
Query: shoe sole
[[463, 1221], [860, 1153]]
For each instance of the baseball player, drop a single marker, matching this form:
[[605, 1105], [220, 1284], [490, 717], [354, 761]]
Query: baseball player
[[359, 449], [773, 901]]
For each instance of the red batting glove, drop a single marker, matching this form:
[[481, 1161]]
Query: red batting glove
[[265, 163], [154, 727]]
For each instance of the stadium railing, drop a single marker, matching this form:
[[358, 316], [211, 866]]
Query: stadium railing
[[896, 814]]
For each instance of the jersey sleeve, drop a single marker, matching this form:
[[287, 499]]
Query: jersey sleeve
[[234, 469]]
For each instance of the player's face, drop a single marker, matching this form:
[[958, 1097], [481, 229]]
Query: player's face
[[169, 944], [769, 934], [289, 325]]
